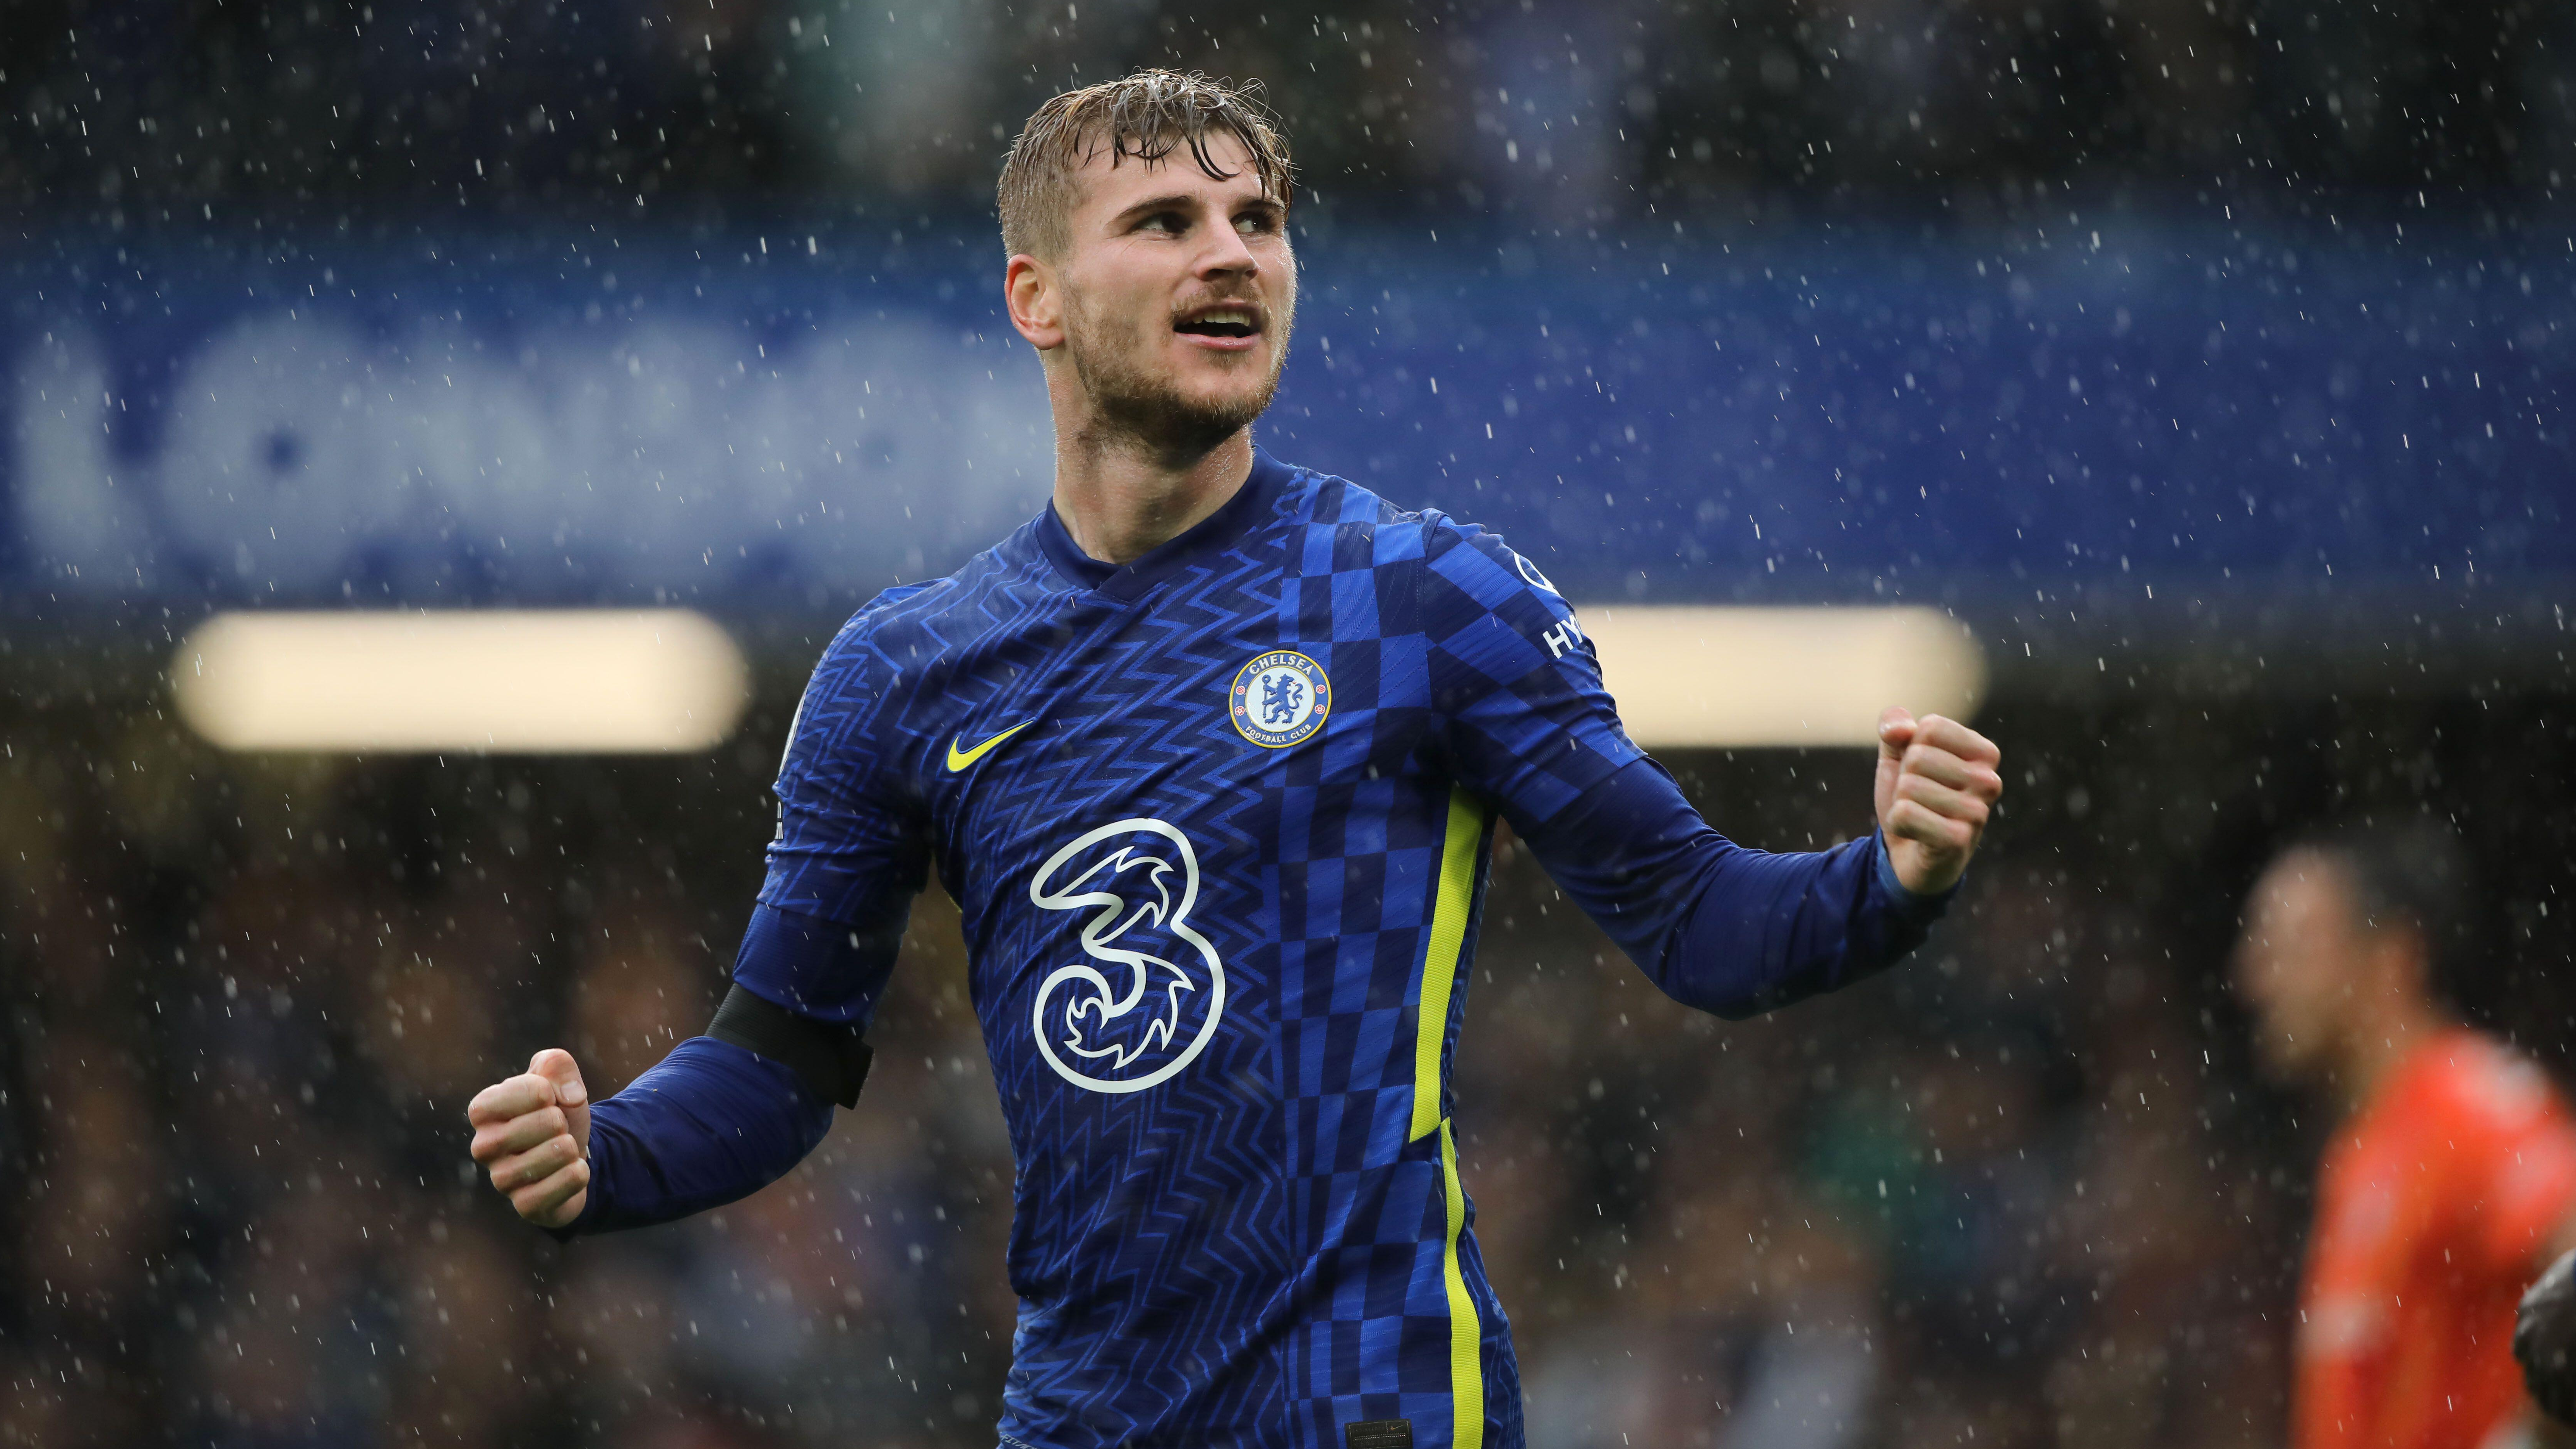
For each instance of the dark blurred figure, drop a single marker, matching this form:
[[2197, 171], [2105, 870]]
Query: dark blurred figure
[[1556, 112], [132, 106], [2407, 95], [2453, 1171], [641, 980]]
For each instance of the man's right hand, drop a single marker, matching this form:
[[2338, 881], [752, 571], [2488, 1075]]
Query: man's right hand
[[532, 1132]]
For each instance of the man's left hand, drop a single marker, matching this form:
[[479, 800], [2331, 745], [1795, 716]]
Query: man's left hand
[[1938, 781]]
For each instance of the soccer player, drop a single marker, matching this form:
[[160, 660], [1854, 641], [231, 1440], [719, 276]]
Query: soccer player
[[2453, 1170], [1210, 753]]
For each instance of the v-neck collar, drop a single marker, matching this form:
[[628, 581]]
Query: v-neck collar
[[1129, 581]]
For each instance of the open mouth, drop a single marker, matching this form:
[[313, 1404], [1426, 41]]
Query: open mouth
[[1234, 322]]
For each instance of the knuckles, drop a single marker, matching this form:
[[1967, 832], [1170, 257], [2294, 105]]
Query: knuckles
[[524, 1140], [1916, 821], [508, 1100], [1978, 778], [538, 1163], [542, 1202], [1980, 791], [1959, 740], [496, 1139]]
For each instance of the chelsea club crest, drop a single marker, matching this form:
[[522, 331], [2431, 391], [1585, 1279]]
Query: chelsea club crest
[[1280, 699]]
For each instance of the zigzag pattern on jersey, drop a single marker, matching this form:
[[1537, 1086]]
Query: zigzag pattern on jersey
[[836, 850], [1252, 1250], [1162, 1211]]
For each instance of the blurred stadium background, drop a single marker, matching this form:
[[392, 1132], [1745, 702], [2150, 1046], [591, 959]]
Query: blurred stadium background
[[2205, 360]]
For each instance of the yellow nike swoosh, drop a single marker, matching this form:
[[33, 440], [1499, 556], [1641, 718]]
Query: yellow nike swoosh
[[959, 759]]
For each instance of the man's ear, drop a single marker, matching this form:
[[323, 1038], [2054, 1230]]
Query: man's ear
[[2398, 959], [1035, 300], [2414, 952]]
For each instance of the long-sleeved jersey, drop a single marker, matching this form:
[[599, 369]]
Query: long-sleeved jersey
[[1218, 821]]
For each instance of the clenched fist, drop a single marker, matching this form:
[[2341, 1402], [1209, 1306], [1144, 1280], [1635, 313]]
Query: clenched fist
[[532, 1132], [1938, 781]]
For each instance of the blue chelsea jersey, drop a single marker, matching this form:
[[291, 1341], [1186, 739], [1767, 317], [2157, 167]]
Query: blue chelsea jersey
[[1218, 823]]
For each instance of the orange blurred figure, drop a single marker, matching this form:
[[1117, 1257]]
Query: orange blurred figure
[[2452, 1176]]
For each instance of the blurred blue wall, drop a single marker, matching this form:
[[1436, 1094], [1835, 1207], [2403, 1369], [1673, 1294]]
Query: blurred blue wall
[[794, 415]]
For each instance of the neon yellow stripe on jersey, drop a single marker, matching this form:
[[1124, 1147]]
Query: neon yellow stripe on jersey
[[1440, 962], [1466, 1360], [1457, 892]]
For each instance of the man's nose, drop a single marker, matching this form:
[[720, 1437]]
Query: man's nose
[[1226, 253]]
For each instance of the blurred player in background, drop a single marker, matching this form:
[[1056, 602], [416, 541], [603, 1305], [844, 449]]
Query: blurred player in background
[[1211, 754], [2452, 1175]]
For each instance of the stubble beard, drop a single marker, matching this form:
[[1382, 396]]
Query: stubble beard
[[1133, 407]]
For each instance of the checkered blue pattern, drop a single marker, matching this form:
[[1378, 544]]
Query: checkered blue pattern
[[1248, 1248]]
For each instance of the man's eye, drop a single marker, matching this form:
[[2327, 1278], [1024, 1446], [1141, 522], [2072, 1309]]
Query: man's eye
[[1252, 225], [1161, 221]]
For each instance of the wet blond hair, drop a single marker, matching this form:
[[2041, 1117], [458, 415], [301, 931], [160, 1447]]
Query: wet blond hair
[[1147, 115]]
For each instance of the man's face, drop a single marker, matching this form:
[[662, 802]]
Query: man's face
[[2300, 962], [1178, 294]]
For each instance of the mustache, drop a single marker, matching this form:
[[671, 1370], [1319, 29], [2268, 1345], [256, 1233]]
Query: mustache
[[1229, 295]]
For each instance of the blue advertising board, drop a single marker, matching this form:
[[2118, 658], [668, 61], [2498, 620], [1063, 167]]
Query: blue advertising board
[[795, 415]]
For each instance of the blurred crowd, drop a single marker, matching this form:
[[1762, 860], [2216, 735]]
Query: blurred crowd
[[2024, 1192], [1564, 110]]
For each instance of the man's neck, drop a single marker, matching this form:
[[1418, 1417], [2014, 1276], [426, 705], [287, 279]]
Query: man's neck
[[2374, 1053], [1122, 500]]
